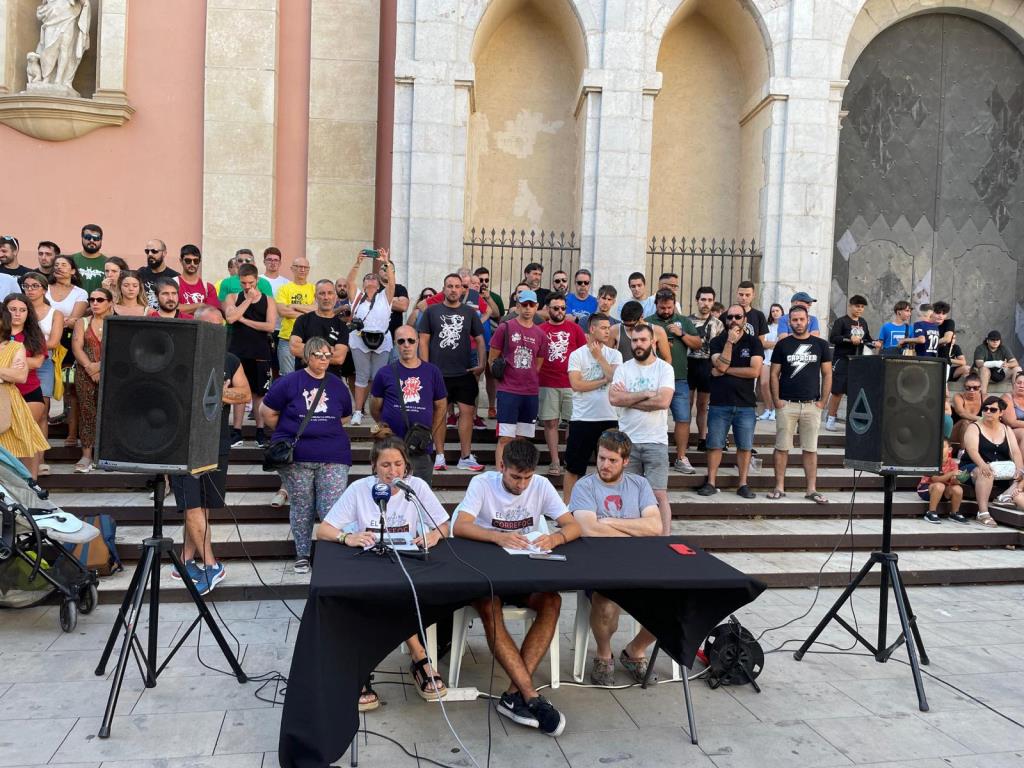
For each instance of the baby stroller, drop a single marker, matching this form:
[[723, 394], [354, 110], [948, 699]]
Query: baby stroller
[[34, 563]]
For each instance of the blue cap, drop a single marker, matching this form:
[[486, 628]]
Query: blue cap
[[802, 296], [527, 295]]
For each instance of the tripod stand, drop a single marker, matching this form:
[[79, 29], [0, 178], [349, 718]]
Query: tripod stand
[[890, 572], [148, 569]]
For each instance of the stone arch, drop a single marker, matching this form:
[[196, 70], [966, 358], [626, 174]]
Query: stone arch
[[710, 122], [481, 17], [523, 160]]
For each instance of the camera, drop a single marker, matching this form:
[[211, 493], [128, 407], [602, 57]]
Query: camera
[[355, 324]]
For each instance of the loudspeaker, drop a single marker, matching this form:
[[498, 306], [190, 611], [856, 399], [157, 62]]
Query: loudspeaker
[[160, 396], [894, 414]]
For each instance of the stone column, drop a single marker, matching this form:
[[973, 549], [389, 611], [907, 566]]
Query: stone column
[[240, 108], [111, 55]]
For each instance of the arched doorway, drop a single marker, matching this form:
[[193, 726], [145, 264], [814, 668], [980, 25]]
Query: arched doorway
[[928, 203]]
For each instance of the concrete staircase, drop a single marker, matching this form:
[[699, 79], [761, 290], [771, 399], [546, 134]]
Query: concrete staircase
[[785, 543]]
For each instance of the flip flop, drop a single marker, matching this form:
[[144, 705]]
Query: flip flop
[[776, 494], [816, 497]]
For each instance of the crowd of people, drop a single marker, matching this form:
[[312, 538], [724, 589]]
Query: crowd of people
[[310, 358]]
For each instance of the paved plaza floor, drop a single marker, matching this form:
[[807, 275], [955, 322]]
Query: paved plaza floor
[[831, 709]]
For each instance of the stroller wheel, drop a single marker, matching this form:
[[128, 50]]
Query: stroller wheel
[[68, 615], [87, 599]]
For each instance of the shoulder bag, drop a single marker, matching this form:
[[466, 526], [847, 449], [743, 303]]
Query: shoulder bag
[[418, 437], [500, 363], [280, 452], [372, 339]]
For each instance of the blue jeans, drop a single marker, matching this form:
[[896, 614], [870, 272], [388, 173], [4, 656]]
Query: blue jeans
[[681, 401], [740, 418], [285, 359]]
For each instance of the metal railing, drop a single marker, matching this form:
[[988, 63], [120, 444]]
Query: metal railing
[[506, 252], [721, 264]]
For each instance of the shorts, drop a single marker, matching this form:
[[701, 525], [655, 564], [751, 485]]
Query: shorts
[[462, 389], [651, 461], [740, 417], [798, 418], [257, 373], [839, 369], [555, 404], [681, 402], [35, 396], [698, 374], [45, 373], [517, 414], [205, 491], [581, 443]]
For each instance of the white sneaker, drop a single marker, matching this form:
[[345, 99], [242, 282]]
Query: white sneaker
[[830, 423], [766, 415], [357, 419], [440, 465], [470, 463]]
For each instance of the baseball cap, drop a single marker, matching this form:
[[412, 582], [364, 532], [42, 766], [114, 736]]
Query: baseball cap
[[994, 336], [802, 296], [527, 295]]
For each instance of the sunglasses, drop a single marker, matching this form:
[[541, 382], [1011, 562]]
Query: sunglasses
[[321, 355], [405, 342], [237, 261], [582, 282], [147, 251], [972, 389], [92, 238], [185, 261], [97, 300], [991, 409], [561, 280], [734, 317]]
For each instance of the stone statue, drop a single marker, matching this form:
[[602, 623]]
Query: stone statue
[[63, 40]]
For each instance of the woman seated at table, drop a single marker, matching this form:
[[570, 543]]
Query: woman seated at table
[[354, 521]]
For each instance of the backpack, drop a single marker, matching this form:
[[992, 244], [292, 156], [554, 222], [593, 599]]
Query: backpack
[[100, 554]]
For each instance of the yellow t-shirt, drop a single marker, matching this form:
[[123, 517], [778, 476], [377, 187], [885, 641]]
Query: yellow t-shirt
[[290, 293]]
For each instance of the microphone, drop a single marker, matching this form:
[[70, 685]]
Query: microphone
[[404, 486], [381, 497]]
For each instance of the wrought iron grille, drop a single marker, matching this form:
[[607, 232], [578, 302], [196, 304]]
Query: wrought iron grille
[[506, 252], [721, 264]]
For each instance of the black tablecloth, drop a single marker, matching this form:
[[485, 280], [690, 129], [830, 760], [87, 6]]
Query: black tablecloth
[[360, 608]]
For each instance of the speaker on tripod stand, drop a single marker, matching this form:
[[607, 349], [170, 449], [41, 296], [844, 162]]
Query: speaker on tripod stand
[[894, 416], [159, 414]]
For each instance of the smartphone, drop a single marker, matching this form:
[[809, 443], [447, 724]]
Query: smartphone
[[548, 556], [373, 253]]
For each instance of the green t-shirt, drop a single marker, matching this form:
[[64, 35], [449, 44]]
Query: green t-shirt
[[90, 269], [676, 344], [232, 284], [501, 309]]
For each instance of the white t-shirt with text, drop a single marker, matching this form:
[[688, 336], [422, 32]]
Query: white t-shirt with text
[[497, 509], [357, 511], [645, 426], [592, 405]]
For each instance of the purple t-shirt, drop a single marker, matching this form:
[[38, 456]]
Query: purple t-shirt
[[324, 439], [421, 387], [524, 347]]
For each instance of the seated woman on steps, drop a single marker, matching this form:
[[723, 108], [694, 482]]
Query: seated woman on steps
[[990, 451], [354, 521]]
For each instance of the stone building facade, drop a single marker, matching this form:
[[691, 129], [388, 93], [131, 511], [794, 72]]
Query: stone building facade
[[868, 146]]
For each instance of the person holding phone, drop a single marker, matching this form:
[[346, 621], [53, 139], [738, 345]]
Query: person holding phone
[[369, 341]]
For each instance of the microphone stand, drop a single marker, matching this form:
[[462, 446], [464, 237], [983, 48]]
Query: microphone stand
[[424, 552]]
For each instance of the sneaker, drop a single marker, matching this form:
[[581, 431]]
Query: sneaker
[[479, 423], [602, 671], [453, 421], [772, 417], [191, 569], [744, 492], [956, 517], [440, 465], [261, 438], [357, 419], [280, 499], [470, 463], [702, 444], [766, 415], [301, 565], [830, 423], [932, 517], [209, 578], [707, 490], [236, 438], [683, 465], [549, 719], [513, 706]]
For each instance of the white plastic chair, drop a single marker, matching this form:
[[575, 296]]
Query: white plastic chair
[[463, 618], [581, 633]]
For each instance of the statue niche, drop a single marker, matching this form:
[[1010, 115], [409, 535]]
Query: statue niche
[[63, 41]]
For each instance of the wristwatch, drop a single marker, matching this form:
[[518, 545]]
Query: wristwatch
[[342, 535]]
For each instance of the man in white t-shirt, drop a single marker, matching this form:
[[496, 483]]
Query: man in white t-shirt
[[503, 508], [614, 502], [642, 390], [591, 368]]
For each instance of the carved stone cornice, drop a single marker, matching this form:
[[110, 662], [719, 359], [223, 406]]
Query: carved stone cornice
[[60, 118]]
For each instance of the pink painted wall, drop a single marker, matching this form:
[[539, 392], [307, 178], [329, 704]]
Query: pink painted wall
[[142, 180]]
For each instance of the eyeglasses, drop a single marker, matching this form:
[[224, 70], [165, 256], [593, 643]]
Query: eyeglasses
[[582, 282], [92, 238], [97, 300], [147, 251], [321, 355], [32, 286], [298, 268], [734, 317], [405, 342], [991, 409], [185, 261], [972, 389]]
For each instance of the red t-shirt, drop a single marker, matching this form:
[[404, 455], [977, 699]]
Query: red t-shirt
[[563, 340], [438, 297], [521, 351], [197, 293], [32, 382]]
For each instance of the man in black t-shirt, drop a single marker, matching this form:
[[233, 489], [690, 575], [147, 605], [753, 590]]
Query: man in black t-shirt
[[947, 327], [801, 375], [756, 322], [399, 304], [322, 322], [736, 359], [156, 252], [851, 336], [448, 333]]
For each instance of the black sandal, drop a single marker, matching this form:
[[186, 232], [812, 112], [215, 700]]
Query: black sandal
[[429, 688]]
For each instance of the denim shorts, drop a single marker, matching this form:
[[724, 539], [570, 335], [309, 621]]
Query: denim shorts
[[681, 401], [740, 418]]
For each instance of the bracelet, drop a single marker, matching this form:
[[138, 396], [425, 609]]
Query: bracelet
[[342, 537]]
